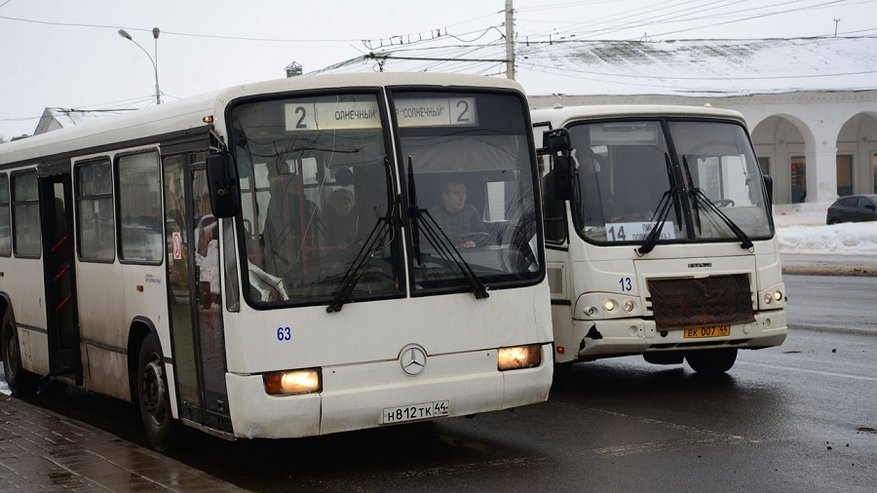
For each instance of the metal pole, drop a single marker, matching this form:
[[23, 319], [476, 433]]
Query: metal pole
[[509, 41], [155, 33]]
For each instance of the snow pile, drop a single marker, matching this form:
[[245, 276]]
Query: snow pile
[[805, 231], [847, 238]]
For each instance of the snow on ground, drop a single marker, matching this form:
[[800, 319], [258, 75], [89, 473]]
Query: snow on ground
[[803, 230]]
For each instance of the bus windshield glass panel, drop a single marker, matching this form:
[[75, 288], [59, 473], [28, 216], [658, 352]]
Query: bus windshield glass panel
[[624, 179], [628, 182], [717, 158], [469, 174], [315, 200]]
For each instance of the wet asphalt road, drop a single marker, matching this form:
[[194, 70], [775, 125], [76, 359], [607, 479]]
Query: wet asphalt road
[[800, 417]]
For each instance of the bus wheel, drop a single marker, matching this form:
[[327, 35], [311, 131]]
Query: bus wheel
[[152, 395], [711, 361], [20, 381]]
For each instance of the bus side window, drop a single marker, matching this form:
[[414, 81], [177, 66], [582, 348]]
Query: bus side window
[[140, 207], [5, 231], [555, 212]]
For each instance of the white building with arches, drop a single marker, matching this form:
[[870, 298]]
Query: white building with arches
[[810, 103], [816, 145]]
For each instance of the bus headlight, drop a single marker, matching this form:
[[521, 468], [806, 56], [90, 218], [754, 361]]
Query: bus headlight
[[772, 298], [595, 306], [292, 382], [776, 296], [513, 358]]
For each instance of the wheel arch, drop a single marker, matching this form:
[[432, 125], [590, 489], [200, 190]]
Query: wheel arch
[[137, 332], [5, 304]]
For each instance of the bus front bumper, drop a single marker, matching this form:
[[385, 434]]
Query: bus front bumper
[[359, 396], [620, 337]]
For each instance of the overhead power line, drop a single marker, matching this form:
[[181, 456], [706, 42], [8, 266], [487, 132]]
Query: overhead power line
[[174, 33]]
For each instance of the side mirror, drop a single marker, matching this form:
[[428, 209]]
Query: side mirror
[[557, 141], [222, 179], [768, 185], [558, 181]]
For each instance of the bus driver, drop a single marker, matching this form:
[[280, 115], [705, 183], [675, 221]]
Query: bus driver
[[459, 220]]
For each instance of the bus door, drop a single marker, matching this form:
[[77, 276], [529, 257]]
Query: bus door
[[195, 304], [56, 218]]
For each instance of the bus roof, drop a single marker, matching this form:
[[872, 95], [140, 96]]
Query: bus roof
[[561, 116], [191, 112]]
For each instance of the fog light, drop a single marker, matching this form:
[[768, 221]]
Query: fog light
[[513, 358], [777, 295], [629, 306], [292, 382], [610, 305]]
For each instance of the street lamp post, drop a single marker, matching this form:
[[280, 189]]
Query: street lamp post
[[154, 61]]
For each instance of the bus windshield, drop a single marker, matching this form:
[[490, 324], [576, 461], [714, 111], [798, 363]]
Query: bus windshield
[[470, 177], [314, 193], [318, 206], [704, 173]]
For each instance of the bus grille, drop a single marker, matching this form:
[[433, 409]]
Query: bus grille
[[715, 300]]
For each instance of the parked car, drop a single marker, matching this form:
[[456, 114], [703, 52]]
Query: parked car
[[852, 208]]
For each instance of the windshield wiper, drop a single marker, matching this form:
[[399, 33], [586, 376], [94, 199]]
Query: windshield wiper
[[700, 197], [371, 244], [421, 220], [669, 198], [661, 215]]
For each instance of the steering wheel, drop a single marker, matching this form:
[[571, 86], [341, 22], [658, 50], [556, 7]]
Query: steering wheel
[[724, 203], [479, 237]]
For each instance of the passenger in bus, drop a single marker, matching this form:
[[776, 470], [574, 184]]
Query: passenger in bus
[[340, 220], [290, 236], [207, 260], [459, 220]]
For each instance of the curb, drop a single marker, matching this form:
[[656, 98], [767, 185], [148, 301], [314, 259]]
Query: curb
[[830, 270]]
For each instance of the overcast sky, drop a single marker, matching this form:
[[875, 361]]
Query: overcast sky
[[67, 53]]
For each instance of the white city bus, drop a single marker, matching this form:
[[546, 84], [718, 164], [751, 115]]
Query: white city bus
[[190, 258], [660, 239]]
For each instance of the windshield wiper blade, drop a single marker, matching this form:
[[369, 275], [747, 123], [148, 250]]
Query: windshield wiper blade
[[413, 212], [696, 211], [446, 249], [357, 267], [661, 215], [436, 236], [375, 238], [700, 195], [669, 198]]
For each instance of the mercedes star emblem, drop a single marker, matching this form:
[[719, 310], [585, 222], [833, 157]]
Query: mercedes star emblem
[[413, 359]]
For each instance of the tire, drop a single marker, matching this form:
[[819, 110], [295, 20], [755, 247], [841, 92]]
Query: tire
[[20, 381], [664, 358], [153, 400], [711, 362]]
